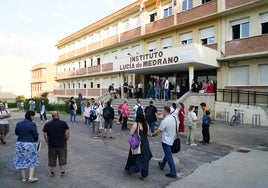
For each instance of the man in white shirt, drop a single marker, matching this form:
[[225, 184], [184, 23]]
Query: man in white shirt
[[168, 130]]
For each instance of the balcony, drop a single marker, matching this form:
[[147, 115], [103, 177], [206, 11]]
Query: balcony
[[110, 41], [130, 34], [81, 71], [159, 25], [197, 12], [94, 46], [93, 69], [107, 67], [232, 3], [81, 51], [247, 45]]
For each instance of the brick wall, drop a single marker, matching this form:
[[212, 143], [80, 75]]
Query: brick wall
[[159, 25], [235, 3], [247, 45], [110, 41], [130, 34], [107, 67], [197, 12]]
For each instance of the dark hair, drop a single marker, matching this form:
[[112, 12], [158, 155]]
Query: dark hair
[[108, 103], [174, 105], [140, 118], [167, 108], [181, 104], [29, 114], [203, 104], [151, 102]]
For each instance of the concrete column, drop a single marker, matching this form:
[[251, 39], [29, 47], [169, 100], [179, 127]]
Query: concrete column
[[191, 74]]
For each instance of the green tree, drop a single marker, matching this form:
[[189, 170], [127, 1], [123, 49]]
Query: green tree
[[20, 98]]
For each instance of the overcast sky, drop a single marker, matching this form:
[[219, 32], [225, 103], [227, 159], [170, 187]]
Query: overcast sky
[[30, 29]]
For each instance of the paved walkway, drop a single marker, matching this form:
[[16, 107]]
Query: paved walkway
[[237, 157]]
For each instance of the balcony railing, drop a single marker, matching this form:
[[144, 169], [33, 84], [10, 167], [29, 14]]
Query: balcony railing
[[255, 98]]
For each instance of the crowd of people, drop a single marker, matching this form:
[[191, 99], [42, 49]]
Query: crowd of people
[[159, 89], [101, 116]]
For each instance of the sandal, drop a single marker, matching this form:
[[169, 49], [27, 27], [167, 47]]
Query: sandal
[[32, 180]]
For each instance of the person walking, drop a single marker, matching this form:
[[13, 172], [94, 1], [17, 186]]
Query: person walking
[[87, 113], [125, 115], [100, 114], [191, 126], [151, 116], [42, 110], [56, 134], [168, 130], [4, 123], [139, 162], [73, 108], [181, 115], [166, 89], [26, 155], [31, 105], [108, 115]]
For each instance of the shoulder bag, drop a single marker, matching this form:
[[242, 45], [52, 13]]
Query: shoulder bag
[[176, 147], [135, 139]]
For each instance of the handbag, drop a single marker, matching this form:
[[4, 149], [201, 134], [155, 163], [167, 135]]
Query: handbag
[[137, 150], [176, 147], [135, 139]]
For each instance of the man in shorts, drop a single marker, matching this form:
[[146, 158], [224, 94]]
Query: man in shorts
[[56, 134]]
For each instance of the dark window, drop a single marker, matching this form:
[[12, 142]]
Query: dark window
[[98, 85], [152, 17], [98, 61], [85, 64], [91, 62], [205, 1], [236, 31], [91, 85], [85, 86], [264, 28]]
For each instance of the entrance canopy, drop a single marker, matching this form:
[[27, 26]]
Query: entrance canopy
[[169, 60]]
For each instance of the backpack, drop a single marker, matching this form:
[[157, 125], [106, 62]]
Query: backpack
[[170, 86], [93, 114], [106, 114], [139, 110]]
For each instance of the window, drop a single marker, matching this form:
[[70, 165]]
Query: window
[[152, 46], [187, 4], [125, 26], [73, 85], [205, 1], [207, 36], [153, 17], [167, 43], [78, 85], [85, 86], [167, 12], [136, 49], [240, 28], [264, 23], [85, 64], [263, 69], [186, 38], [91, 62], [91, 84], [239, 76], [98, 60]]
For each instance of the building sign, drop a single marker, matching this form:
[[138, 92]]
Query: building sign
[[166, 57], [148, 60]]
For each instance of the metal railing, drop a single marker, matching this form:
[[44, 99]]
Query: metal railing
[[255, 98]]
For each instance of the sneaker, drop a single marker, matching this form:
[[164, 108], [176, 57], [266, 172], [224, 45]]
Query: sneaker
[[63, 174], [51, 174], [171, 176], [193, 144]]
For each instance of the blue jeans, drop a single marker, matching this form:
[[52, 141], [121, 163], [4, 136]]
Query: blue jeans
[[92, 122], [152, 126], [168, 158], [157, 93], [72, 116], [166, 94]]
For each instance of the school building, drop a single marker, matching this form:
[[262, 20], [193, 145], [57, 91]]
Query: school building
[[225, 41]]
